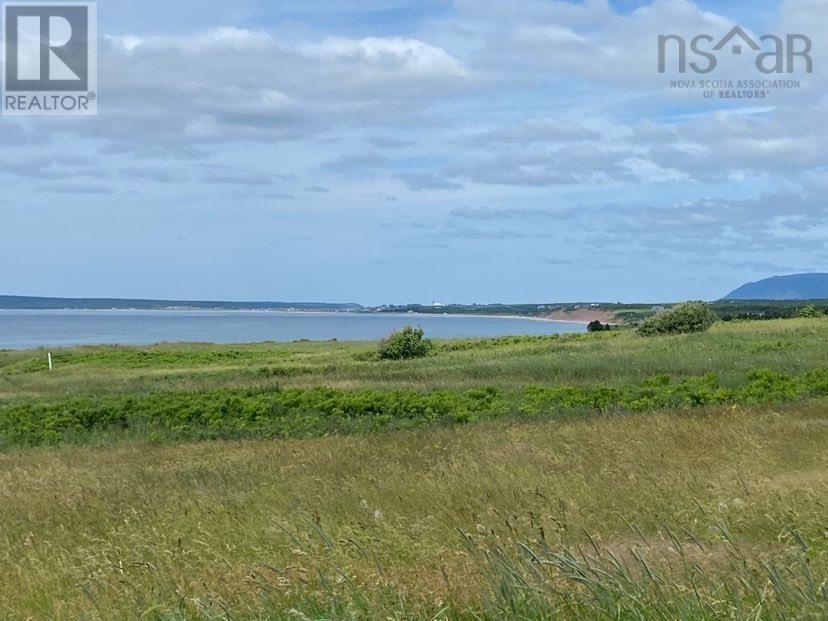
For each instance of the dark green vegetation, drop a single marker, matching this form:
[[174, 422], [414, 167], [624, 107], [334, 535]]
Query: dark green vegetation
[[318, 411], [791, 287], [597, 326], [681, 319], [747, 309], [405, 344], [726, 310]]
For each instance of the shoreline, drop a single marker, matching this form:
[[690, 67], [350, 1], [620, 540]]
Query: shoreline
[[284, 312]]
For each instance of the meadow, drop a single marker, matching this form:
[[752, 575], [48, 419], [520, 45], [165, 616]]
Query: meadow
[[588, 476]]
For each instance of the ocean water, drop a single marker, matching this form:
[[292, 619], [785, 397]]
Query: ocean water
[[23, 329]]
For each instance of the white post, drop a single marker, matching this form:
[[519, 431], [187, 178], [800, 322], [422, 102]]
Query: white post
[[50, 360]]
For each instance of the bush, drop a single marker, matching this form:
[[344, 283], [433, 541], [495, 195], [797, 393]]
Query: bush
[[809, 311], [405, 344], [681, 319], [597, 326]]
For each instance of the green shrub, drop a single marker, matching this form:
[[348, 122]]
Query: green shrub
[[300, 412], [681, 319], [809, 311], [597, 326], [404, 344]]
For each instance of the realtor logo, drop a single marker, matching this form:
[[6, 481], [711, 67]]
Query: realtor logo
[[788, 55], [50, 58]]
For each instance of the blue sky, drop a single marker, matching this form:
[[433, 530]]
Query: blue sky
[[399, 151]]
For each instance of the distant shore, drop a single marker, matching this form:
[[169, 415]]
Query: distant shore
[[548, 318], [487, 316]]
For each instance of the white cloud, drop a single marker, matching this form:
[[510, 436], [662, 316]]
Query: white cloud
[[232, 84], [535, 131], [419, 181], [390, 58]]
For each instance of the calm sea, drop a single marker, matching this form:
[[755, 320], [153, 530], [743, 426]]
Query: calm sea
[[21, 329]]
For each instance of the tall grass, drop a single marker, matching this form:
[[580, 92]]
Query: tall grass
[[675, 578], [495, 520]]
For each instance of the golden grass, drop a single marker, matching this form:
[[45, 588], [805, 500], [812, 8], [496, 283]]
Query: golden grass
[[254, 529]]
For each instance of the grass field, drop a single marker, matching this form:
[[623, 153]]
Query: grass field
[[606, 476], [615, 358]]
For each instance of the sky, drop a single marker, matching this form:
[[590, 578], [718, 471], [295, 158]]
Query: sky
[[403, 151]]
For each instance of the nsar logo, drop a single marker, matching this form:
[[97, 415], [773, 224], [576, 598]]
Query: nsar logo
[[782, 56]]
